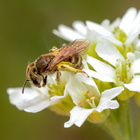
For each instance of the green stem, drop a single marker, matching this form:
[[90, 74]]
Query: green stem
[[138, 127], [119, 123], [125, 120], [130, 123], [110, 128]]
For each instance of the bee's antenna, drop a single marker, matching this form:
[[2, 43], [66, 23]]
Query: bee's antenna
[[28, 63], [24, 85]]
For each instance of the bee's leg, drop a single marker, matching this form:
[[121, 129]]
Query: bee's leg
[[58, 75], [44, 81], [66, 66], [53, 49]]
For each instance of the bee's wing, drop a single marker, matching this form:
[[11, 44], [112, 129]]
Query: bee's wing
[[69, 50]]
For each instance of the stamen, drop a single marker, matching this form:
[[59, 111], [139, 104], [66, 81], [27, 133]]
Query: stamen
[[92, 99], [81, 102], [90, 94], [118, 75], [87, 100], [55, 90], [85, 94], [124, 80], [118, 60], [123, 71], [127, 61], [117, 65], [91, 102]]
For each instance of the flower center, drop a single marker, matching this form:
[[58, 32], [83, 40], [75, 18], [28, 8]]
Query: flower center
[[123, 72], [121, 36], [89, 100], [56, 90]]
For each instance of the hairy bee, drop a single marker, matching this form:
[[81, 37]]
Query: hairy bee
[[66, 58]]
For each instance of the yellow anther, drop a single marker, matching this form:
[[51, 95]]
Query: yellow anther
[[81, 102], [118, 75], [117, 65], [92, 99], [87, 100], [128, 70], [118, 60]]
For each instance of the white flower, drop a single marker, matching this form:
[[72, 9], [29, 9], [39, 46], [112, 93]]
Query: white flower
[[121, 70], [117, 43], [91, 31], [36, 99], [126, 33], [88, 99], [137, 52]]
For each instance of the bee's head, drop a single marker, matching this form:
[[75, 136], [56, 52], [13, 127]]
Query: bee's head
[[36, 79]]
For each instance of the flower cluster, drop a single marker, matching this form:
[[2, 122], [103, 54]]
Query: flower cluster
[[114, 53], [112, 63]]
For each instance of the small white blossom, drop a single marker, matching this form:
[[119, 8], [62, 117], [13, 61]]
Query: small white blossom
[[87, 98], [36, 99], [119, 70], [137, 52], [126, 33]]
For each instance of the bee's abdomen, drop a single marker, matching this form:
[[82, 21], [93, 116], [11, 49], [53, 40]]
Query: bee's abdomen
[[42, 63], [76, 61]]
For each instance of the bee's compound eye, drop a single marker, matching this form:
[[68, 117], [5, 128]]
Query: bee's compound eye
[[36, 83]]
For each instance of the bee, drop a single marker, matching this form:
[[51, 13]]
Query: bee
[[67, 58]]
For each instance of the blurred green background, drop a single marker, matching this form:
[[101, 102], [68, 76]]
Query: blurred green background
[[25, 33]]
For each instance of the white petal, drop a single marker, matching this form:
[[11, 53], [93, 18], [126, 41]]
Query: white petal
[[99, 76], [59, 34], [106, 23], [136, 66], [135, 25], [85, 64], [109, 53], [101, 67], [104, 33], [94, 36], [83, 77], [115, 23], [108, 105], [114, 40], [98, 28], [106, 102], [137, 54], [131, 38], [77, 116], [80, 27], [111, 93], [134, 85], [67, 33], [56, 99], [127, 20], [37, 105], [88, 81], [31, 100], [75, 89], [138, 45], [131, 57]]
